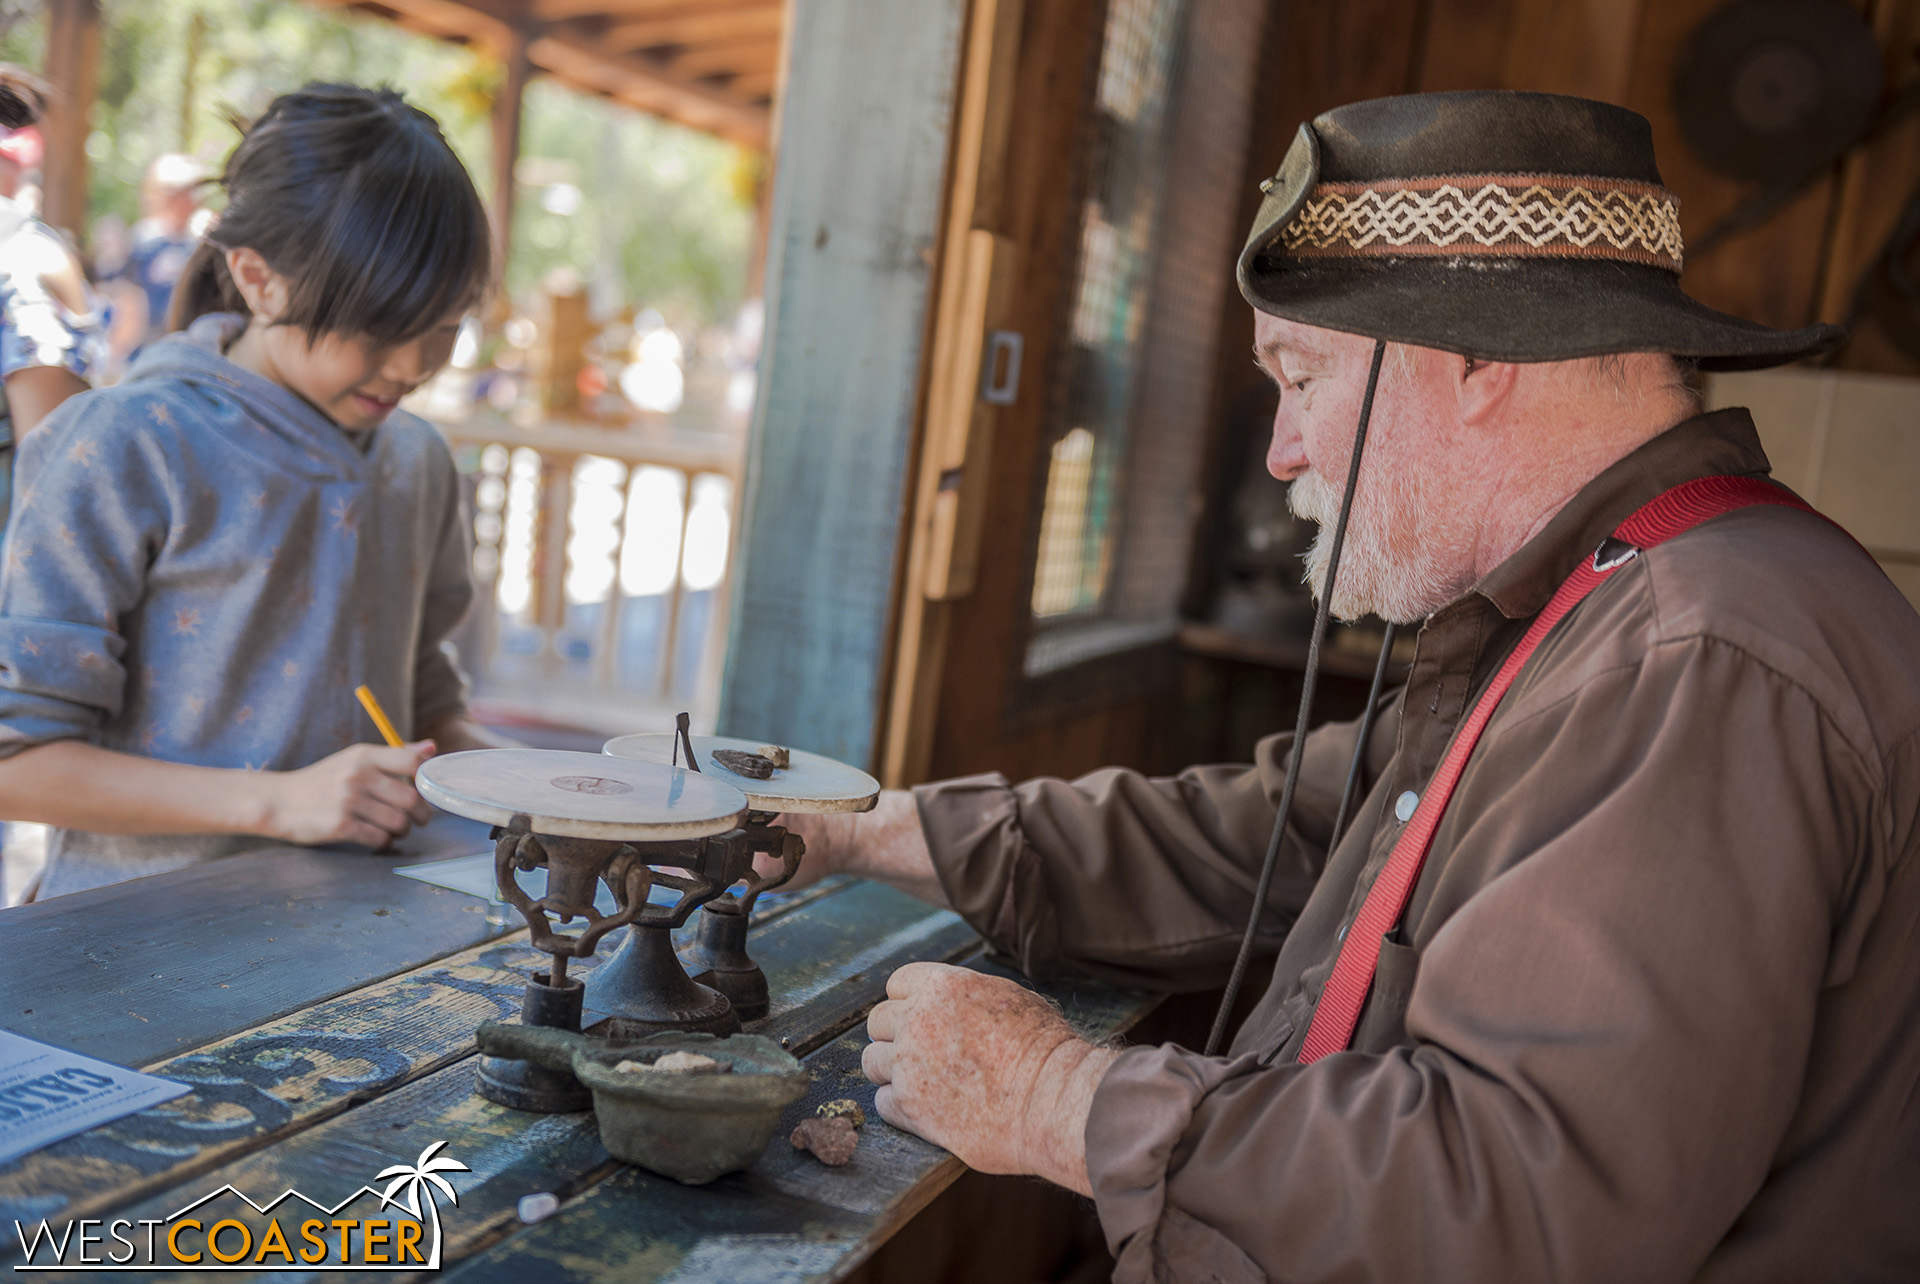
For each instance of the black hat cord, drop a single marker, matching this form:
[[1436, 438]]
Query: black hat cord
[[1305, 716]]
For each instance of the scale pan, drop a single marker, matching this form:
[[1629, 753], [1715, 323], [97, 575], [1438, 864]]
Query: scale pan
[[812, 783], [581, 795]]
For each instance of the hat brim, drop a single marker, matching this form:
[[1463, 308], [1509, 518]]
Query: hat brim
[[1515, 309]]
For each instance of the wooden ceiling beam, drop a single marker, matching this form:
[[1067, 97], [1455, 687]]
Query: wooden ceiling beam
[[703, 107], [749, 53], [552, 10], [444, 19], [757, 84], [593, 63], [695, 26]]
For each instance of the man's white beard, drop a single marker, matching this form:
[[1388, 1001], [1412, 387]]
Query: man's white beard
[[1388, 566]]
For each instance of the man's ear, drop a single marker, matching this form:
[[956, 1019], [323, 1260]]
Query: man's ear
[[264, 289], [1484, 387]]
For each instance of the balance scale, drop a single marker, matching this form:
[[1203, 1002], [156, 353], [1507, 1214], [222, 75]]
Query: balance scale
[[632, 819]]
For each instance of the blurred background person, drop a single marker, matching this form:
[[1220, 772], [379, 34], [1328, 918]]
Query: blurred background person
[[163, 240], [51, 336]]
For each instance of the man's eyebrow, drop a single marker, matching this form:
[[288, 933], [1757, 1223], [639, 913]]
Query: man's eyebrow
[[1269, 352]]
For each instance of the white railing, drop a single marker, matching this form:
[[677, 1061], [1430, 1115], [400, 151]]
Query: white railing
[[601, 556]]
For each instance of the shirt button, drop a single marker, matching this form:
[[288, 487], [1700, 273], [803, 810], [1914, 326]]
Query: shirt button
[[1404, 805]]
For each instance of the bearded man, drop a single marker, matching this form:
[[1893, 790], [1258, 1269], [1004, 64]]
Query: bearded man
[[1615, 973]]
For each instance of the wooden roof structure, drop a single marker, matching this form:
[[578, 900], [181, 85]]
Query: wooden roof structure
[[708, 64]]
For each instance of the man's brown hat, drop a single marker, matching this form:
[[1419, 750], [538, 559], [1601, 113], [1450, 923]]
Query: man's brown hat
[[1507, 226]]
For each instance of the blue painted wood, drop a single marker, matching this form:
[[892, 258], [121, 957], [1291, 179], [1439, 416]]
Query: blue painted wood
[[856, 210], [136, 971]]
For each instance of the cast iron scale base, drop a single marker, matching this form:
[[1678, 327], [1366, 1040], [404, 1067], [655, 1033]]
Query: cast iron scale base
[[633, 825]]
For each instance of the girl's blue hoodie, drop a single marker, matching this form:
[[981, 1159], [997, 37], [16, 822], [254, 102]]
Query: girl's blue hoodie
[[201, 567]]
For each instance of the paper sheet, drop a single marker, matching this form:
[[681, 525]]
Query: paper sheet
[[47, 1093], [474, 876]]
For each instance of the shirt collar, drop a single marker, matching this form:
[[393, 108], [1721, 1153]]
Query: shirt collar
[[1719, 443]]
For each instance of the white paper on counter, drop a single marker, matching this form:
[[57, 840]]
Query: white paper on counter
[[474, 876], [47, 1093]]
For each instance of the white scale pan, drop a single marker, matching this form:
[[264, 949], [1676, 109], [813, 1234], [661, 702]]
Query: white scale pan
[[582, 795], [810, 783]]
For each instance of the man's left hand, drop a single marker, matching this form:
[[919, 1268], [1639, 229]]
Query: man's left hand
[[987, 1069]]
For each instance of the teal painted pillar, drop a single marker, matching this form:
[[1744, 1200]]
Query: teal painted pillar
[[858, 193]]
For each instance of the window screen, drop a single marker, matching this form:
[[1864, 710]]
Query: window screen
[[1113, 271]]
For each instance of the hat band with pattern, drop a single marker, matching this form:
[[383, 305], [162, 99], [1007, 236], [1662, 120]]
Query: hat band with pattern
[[1500, 225], [1528, 215]]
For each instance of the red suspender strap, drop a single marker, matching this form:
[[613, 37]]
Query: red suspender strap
[[1680, 509]]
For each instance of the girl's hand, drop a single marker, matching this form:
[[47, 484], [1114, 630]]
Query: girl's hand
[[363, 794]]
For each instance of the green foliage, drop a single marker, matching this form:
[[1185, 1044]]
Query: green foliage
[[23, 32], [661, 212], [663, 222]]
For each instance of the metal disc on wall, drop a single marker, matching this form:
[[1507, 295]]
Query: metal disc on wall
[[1772, 90]]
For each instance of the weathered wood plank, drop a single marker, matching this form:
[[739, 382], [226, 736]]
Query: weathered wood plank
[[789, 1218], [826, 964], [854, 229], [283, 1076], [820, 962], [149, 968]]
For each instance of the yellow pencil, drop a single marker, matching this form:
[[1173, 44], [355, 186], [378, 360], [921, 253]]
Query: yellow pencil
[[379, 716]]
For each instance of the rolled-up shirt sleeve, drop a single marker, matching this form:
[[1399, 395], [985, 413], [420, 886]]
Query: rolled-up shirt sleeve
[[1607, 1040], [1133, 880], [91, 515], [38, 330], [439, 687]]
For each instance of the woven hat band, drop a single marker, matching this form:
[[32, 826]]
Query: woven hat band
[[1490, 215]]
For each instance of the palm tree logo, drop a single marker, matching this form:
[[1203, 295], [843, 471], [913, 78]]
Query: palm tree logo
[[420, 1180]]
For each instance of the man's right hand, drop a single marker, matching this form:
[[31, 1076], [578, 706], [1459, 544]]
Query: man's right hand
[[825, 836], [885, 844], [362, 794]]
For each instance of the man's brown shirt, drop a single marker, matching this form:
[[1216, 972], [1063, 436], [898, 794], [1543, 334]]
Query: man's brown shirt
[[1654, 1010]]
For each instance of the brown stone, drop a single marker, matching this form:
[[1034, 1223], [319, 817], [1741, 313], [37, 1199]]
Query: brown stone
[[832, 1141]]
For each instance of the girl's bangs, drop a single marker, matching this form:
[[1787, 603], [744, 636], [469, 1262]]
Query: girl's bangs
[[406, 246]]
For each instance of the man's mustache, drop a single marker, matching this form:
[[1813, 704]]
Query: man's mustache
[[1312, 498]]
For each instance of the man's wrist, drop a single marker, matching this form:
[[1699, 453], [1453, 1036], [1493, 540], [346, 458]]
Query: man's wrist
[[1056, 1124]]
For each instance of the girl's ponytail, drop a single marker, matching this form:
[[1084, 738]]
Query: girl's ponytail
[[204, 286]]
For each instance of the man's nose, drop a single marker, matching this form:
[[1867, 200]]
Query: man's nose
[[1287, 455]]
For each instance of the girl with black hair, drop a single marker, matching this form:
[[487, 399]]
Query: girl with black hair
[[206, 559]]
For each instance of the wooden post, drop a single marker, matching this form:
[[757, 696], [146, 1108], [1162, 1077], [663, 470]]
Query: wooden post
[[506, 141], [73, 66], [196, 42], [676, 596], [560, 354], [549, 561], [762, 227], [605, 666]]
